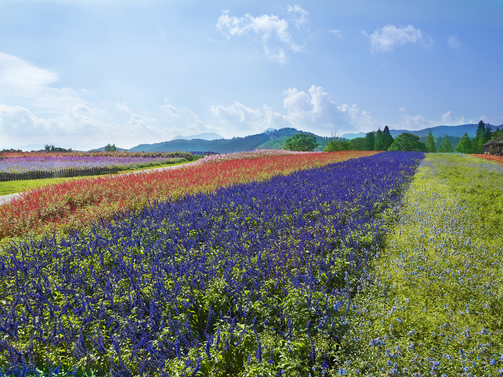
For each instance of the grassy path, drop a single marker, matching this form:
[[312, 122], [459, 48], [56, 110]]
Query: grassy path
[[437, 307]]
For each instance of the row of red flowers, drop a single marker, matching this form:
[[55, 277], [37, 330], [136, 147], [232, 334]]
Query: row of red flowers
[[489, 157], [76, 204]]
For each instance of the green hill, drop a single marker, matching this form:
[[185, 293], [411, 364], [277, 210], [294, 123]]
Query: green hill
[[271, 139]]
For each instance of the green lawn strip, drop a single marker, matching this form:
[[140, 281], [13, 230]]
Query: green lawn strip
[[14, 187], [436, 305]]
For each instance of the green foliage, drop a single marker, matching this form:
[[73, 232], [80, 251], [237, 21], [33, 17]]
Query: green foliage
[[301, 142], [378, 144], [370, 139], [387, 139], [52, 148], [436, 307], [482, 136], [337, 145], [465, 145], [430, 143], [356, 144], [446, 146], [407, 142], [383, 139], [497, 133], [110, 148]]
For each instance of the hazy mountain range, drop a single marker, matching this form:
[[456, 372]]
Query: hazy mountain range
[[203, 136], [270, 139], [275, 139], [438, 131]]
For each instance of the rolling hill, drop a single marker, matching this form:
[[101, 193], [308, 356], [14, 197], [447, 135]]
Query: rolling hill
[[275, 139], [271, 139], [438, 131]]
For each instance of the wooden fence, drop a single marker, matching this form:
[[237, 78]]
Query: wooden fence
[[68, 172]]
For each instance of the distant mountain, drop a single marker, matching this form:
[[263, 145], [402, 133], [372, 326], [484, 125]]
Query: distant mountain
[[272, 139], [203, 136], [439, 131], [102, 149], [269, 130], [353, 136], [275, 139]]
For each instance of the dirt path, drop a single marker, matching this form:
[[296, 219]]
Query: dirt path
[[8, 198]]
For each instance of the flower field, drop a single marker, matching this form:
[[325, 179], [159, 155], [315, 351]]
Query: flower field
[[186, 155], [257, 277], [37, 165], [437, 306], [52, 164], [74, 205], [261, 264], [488, 157]]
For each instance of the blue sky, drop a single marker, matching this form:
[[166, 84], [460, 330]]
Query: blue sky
[[81, 74]]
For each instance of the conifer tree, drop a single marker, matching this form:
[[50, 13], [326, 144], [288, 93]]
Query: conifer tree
[[446, 146], [465, 144], [430, 143], [387, 139], [370, 140], [378, 144], [480, 138]]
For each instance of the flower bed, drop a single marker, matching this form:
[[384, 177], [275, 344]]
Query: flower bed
[[488, 157], [76, 204], [437, 305], [55, 164], [253, 279]]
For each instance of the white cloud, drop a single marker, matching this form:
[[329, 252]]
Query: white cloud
[[123, 107], [76, 125], [183, 119], [448, 119], [17, 74], [419, 122], [22, 83], [336, 33], [300, 15], [242, 120], [271, 31], [453, 42], [312, 111], [387, 38]]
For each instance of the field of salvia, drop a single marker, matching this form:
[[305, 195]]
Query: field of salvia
[[259, 264]]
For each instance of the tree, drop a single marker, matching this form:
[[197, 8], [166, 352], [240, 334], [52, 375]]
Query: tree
[[480, 138], [357, 144], [446, 146], [301, 142], [387, 139], [378, 144], [407, 142], [370, 140], [465, 145], [496, 134], [487, 133], [110, 148], [337, 145], [430, 143]]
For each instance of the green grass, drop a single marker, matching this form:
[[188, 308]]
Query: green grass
[[13, 187], [438, 296]]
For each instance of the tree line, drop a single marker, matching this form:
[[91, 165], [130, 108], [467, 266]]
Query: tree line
[[383, 141]]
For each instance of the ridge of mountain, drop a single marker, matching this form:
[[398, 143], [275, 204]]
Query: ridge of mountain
[[272, 139], [204, 136], [275, 139], [438, 131]]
